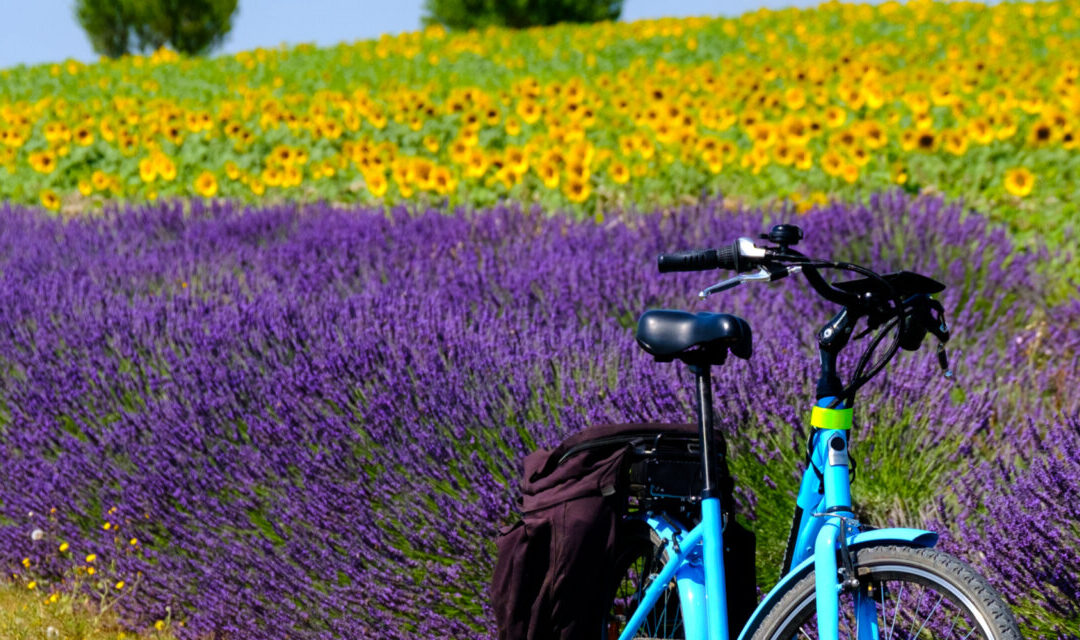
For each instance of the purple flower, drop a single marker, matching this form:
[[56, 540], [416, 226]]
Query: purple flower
[[312, 420]]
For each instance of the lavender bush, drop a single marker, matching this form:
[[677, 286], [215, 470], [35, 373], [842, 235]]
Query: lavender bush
[[1021, 522], [308, 423]]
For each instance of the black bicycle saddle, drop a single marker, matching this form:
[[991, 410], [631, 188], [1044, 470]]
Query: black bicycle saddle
[[695, 338]]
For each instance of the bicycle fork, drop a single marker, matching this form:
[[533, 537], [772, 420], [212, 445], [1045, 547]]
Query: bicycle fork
[[829, 457]]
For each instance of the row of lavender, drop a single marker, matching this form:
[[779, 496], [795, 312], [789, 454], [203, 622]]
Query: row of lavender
[[308, 423]]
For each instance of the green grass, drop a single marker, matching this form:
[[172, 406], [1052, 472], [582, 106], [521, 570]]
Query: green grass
[[30, 614]]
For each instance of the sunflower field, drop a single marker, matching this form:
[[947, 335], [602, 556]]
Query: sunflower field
[[277, 328], [959, 99]]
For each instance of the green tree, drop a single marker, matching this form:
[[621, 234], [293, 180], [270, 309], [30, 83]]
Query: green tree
[[116, 27], [107, 23], [517, 14]]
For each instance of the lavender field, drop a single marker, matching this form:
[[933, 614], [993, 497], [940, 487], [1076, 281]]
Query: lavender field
[[306, 422]]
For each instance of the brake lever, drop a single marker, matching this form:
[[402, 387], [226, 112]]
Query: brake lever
[[940, 328], [943, 360], [730, 283], [765, 273]]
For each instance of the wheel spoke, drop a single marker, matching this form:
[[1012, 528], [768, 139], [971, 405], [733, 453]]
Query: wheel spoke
[[664, 620], [929, 615], [847, 625], [896, 610], [953, 625], [881, 588]]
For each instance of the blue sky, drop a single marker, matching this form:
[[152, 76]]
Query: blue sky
[[36, 31]]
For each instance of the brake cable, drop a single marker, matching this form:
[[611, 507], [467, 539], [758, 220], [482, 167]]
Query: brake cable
[[847, 394]]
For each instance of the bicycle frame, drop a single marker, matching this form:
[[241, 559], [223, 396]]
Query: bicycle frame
[[826, 529]]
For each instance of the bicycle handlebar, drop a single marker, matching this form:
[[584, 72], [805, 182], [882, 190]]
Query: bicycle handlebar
[[740, 256], [699, 260], [743, 256], [903, 296]]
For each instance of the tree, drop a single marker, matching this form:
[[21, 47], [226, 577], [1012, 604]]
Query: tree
[[107, 24], [517, 14], [116, 27]]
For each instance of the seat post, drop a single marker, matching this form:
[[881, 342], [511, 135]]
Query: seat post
[[705, 427]]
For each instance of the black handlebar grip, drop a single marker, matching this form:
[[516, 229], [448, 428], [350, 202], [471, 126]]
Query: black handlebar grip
[[728, 257], [699, 260]]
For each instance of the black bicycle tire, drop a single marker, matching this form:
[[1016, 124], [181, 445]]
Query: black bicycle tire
[[797, 604]]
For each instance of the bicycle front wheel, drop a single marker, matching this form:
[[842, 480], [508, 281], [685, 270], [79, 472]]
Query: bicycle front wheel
[[917, 593]]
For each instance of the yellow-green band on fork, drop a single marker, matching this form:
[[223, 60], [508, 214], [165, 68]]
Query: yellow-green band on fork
[[824, 418]]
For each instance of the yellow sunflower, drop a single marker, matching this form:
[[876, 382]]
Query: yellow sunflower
[[783, 154], [620, 173], [1019, 181], [147, 171], [956, 143], [549, 173], [713, 160], [443, 181], [165, 167], [804, 160], [43, 161], [100, 180], [83, 136], [206, 184], [50, 200], [850, 173], [835, 117], [376, 184], [577, 190], [1042, 133], [832, 163], [477, 163]]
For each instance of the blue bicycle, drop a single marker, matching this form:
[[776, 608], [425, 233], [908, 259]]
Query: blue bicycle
[[841, 578]]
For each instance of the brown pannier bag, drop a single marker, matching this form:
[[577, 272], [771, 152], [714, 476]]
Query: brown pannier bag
[[553, 564]]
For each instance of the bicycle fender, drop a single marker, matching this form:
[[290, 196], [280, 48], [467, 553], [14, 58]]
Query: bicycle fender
[[895, 535]]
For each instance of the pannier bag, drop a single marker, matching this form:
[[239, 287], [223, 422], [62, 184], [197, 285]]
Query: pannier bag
[[553, 565]]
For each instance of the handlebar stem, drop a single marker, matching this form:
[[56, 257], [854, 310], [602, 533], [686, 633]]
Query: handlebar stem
[[832, 338], [829, 383], [835, 334]]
